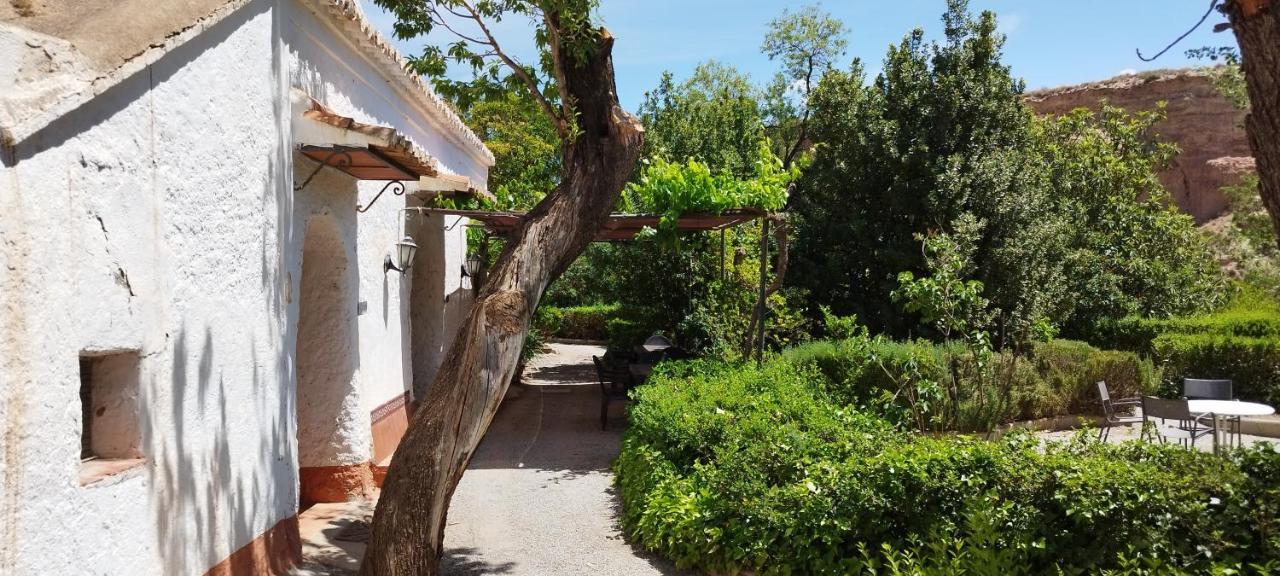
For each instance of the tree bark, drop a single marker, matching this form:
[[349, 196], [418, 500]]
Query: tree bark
[[1256, 24], [408, 525]]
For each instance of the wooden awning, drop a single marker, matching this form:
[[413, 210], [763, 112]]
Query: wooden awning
[[618, 227], [363, 163], [364, 151]]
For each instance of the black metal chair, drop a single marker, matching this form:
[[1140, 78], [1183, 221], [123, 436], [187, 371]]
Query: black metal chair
[[615, 381], [1209, 389], [1202, 389], [1109, 412], [1158, 408]]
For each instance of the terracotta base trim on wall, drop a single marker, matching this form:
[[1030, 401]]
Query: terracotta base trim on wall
[[336, 483], [273, 552], [390, 421]]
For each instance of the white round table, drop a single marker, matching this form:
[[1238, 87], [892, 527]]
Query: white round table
[[1229, 408]]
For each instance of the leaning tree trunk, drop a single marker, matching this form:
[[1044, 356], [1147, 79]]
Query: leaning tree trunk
[[1257, 27], [408, 525]]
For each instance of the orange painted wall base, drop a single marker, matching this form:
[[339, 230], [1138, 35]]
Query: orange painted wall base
[[273, 553], [336, 483], [390, 421]]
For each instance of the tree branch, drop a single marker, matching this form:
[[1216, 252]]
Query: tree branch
[[441, 20], [1212, 4], [553, 38], [556, 120]]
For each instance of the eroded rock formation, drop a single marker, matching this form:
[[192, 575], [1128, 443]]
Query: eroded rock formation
[[1205, 126]]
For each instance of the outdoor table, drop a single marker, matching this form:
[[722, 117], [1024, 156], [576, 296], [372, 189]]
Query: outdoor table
[[1229, 408]]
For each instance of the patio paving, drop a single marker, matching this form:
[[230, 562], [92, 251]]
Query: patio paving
[[1134, 432], [538, 497]]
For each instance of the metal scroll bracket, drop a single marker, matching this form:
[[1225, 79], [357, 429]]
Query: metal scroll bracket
[[343, 159], [396, 187]]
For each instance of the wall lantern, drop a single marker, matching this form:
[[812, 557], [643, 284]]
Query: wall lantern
[[401, 256], [471, 268]]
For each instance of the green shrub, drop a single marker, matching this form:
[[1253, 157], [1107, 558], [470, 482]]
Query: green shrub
[[589, 322], [1070, 371], [733, 469], [1058, 379], [1252, 364], [1240, 342]]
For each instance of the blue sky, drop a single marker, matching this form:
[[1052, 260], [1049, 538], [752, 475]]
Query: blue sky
[[1050, 42]]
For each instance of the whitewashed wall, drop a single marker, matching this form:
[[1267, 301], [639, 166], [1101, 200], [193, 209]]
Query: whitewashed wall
[[160, 217], [152, 218], [340, 76]]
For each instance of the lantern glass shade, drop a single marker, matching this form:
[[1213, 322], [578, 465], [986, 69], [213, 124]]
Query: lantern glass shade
[[473, 265], [405, 250]]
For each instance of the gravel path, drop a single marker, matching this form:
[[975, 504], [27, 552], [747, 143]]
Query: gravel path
[[538, 497]]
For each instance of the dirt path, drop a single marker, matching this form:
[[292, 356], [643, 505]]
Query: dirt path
[[538, 497]]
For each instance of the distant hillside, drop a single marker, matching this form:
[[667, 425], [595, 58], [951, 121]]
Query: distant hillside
[[1204, 125]]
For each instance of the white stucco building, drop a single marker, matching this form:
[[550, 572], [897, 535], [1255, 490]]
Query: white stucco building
[[192, 342]]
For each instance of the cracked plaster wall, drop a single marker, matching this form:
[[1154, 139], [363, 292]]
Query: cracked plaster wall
[[160, 218], [149, 219]]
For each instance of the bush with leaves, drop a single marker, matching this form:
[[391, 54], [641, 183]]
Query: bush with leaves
[[1240, 342], [1075, 227], [739, 469], [935, 387]]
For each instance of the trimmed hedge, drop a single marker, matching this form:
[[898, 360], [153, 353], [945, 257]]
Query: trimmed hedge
[[1241, 343], [738, 469], [1252, 364], [1058, 379], [589, 322]]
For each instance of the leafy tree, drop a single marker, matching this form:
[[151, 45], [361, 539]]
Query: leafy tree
[[1130, 251], [708, 153], [807, 43], [713, 117], [573, 85], [524, 144], [1072, 224], [939, 134]]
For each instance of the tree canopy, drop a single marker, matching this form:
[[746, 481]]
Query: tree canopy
[[1071, 222]]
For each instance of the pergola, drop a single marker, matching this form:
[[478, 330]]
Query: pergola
[[619, 227], [625, 227]]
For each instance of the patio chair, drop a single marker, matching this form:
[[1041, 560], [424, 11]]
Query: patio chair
[[1189, 427], [1204, 389], [1110, 417], [1200, 389], [615, 381]]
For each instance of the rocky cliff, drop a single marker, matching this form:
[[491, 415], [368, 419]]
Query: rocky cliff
[[1205, 126]]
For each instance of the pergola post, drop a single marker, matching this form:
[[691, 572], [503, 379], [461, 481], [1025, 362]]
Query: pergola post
[[764, 278]]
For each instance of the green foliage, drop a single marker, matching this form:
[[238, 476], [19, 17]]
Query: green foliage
[[944, 298], [1252, 364], [1131, 251], [626, 333], [590, 322], [524, 144], [1249, 216], [568, 24], [928, 386], [1075, 227], [1228, 77], [1241, 342], [674, 189], [712, 117], [709, 155], [806, 43], [1247, 244], [738, 469], [941, 133]]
